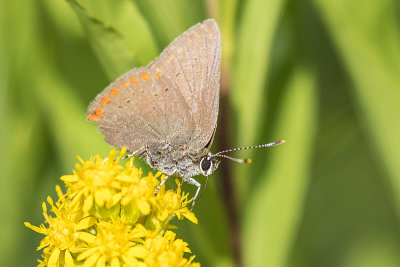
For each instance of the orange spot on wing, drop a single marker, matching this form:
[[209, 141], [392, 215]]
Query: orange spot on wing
[[105, 100], [169, 59], [133, 80], [157, 75], [93, 117], [144, 76], [100, 111], [114, 91], [124, 84], [96, 114]]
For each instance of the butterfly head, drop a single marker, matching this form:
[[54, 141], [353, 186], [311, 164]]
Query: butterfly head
[[208, 164]]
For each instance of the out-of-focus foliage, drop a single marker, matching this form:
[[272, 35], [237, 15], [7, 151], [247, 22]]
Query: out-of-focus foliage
[[322, 74]]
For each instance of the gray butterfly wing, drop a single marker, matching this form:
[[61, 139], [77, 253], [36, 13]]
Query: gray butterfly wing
[[193, 62], [154, 105]]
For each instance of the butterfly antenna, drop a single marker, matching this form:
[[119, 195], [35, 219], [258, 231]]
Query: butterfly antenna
[[221, 153], [251, 147], [232, 158]]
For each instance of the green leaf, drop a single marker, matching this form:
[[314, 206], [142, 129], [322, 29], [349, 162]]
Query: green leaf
[[274, 208], [370, 47], [170, 18], [249, 75], [250, 70], [21, 132], [226, 14], [74, 135], [118, 32]]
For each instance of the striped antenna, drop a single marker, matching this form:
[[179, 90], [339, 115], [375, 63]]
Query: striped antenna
[[219, 154], [232, 158]]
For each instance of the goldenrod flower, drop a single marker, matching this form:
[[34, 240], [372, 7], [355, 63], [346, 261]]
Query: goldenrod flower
[[170, 203], [95, 182], [113, 246], [167, 251], [138, 196], [64, 234], [110, 216]]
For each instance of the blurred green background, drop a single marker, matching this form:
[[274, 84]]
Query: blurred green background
[[322, 74]]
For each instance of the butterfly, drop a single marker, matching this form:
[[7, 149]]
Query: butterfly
[[166, 112]]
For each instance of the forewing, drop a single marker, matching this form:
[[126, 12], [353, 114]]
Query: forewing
[[174, 100]]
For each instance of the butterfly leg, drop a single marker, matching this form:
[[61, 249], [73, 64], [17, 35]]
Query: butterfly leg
[[162, 182], [134, 153], [198, 185]]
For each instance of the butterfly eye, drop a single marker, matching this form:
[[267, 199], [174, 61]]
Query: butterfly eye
[[205, 164]]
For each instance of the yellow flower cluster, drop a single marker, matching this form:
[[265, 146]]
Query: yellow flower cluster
[[110, 216]]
